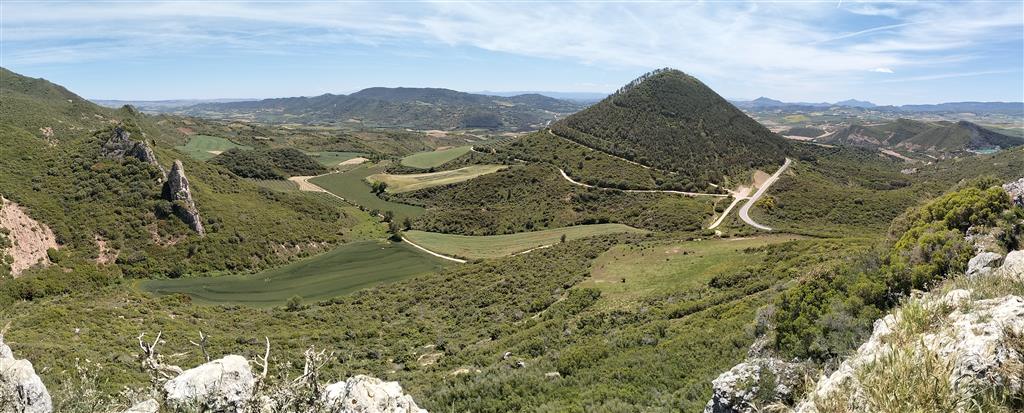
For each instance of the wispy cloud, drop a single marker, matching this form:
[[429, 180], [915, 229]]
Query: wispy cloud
[[777, 45]]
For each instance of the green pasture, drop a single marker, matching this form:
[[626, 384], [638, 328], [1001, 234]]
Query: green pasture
[[492, 246], [425, 160], [204, 147], [627, 273], [412, 182], [332, 159], [345, 269], [352, 186]]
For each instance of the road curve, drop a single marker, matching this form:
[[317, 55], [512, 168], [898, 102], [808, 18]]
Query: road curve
[[406, 240], [725, 213], [656, 191], [745, 209]]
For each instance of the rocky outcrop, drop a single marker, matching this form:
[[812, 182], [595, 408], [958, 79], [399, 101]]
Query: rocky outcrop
[[120, 146], [976, 343], [177, 190], [21, 390], [364, 394], [148, 406], [1016, 191], [983, 263], [223, 385], [754, 384], [1013, 266]]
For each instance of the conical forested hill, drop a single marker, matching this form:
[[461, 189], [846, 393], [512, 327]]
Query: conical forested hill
[[670, 120]]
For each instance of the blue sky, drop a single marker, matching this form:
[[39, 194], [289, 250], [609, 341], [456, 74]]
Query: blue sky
[[889, 53]]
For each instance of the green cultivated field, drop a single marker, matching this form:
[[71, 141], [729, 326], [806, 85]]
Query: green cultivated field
[[352, 186], [627, 273], [492, 246], [343, 270], [424, 160], [412, 182], [200, 146], [332, 159]]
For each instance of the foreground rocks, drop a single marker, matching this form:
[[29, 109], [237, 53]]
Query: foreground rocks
[[976, 343], [21, 390], [755, 383], [224, 385], [177, 190], [364, 394]]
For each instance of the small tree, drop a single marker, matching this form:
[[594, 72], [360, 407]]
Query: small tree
[[395, 230], [562, 239], [407, 223], [294, 303]]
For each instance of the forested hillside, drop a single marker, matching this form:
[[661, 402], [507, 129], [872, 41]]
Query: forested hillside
[[669, 120]]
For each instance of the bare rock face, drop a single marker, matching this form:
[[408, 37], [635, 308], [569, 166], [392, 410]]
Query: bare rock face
[[364, 394], [983, 263], [21, 390], [177, 190], [742, 388], [1016, 191], [120, 146], [148, 406], [223, 385], [1013, 266]]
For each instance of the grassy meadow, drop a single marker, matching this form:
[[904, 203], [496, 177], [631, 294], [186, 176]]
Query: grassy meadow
[[331, 159], [343, 270], [426, 160], [628, 272], [205, 147], [411, 182], [352, 186], [493, 246]]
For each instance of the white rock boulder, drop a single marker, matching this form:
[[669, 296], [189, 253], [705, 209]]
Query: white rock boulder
[[148, 406], [983, 263], [21, 390], [738, 390], [1013, 265], [364, 394], [1016, 191], [223, 385]]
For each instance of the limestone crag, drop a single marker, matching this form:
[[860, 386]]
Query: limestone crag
[[1016, 191], [364, 394], [148, 406], [120, 146], [223, 385], [978, 338], [738, 390], [21, 390], [177, 190], [983, 263]]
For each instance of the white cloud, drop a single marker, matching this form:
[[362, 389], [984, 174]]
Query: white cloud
[[773, 45]]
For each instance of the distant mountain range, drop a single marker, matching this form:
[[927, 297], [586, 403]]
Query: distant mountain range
[[931, 138], [763, 103], [416, 108], [160, 105]]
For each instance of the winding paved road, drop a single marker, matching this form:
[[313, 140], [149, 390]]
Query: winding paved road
[[745, 209], [662, 191]]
